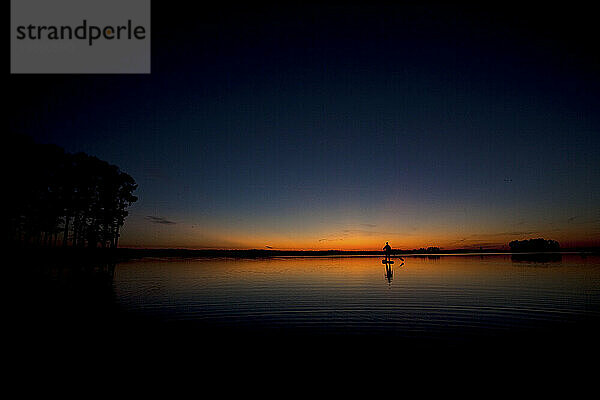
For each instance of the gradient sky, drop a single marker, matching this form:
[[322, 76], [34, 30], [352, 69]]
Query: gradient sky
[[343, 127]]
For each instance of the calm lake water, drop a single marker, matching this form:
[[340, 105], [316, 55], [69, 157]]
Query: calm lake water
[[454, 296]]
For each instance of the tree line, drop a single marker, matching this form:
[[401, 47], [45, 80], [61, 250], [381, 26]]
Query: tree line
[[539, 244], [431, 249], [62, 199]]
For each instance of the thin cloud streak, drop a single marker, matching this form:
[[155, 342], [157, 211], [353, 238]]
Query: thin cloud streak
[[159, 220]]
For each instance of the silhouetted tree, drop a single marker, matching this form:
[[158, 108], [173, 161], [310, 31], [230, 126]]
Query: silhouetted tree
[[54, 192]]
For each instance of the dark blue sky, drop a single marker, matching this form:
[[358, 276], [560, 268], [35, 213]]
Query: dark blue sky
[[344, 126]]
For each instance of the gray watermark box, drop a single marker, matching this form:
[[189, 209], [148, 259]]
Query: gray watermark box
[[80, 36]]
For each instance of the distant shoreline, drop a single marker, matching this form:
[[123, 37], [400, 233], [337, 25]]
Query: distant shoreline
[[124, 254], [251, 253]]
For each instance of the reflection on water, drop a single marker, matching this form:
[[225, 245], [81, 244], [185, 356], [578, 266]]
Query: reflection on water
[[68, 297], [537, 257], [448, 296], [389, 274]]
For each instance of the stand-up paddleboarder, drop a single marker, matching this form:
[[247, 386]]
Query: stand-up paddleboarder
[[388, 250], [388, 253]]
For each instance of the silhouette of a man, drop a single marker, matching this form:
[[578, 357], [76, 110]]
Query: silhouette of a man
[[388, 250]]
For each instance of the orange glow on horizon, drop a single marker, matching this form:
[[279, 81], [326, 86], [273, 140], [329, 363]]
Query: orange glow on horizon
[[348, 234], [355, 243]]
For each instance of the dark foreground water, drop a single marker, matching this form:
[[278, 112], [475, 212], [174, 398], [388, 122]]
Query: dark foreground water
[[343, 305], [445, 298], [307, 323]]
